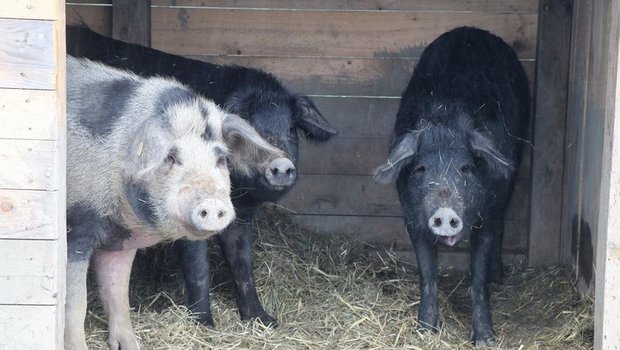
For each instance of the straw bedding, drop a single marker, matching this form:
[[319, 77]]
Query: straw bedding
[[329, 292]]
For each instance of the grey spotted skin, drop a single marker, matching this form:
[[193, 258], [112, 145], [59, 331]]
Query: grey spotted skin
[[147, 161], [457, 145], [278, 115]]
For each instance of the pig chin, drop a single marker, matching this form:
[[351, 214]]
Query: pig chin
[[451, 241]]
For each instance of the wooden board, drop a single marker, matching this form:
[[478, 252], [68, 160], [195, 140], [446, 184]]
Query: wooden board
[[29, 214], [30, 9], [131, 21], [606, 35], [28, 273], [27, 54], [324, 33], [526, 6], [552, 83], [98, 18], [29, 327], [20, 112], [29, 165]]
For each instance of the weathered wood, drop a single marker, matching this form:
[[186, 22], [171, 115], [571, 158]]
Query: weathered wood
[[29, 214], [97, 18], [529, 6], [572, 196], [29, 164], [338, 76], [28, 272], [552, 83], [324, 33], [360, 195], [131, 21], [28, 327], [26, 54], [26, 114], [607, 291], [31, 9]]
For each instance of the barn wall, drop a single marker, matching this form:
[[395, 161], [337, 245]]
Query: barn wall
[[32, 174], [591, 202], [354, 58]]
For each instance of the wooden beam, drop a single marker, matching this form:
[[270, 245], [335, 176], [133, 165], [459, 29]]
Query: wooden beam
[[554, 34], [131, 21], [30, 9], [607, 291]]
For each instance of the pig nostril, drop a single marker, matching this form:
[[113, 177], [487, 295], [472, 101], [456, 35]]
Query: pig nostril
[[437, 222], [274, 171], [220, 214], [203, 214], [454, 223], [289, 172]]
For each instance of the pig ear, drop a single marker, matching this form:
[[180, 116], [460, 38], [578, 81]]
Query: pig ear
[[483, 147], [147, 150], [249, 152], [401, 154], [311, 121]]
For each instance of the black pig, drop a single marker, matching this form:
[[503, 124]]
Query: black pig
[[258, 97], [456, 149]]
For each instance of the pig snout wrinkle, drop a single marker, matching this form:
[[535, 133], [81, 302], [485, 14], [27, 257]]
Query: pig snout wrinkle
[[212, 215], [445, 222], [281, 172]]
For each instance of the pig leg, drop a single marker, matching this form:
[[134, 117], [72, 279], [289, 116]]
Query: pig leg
[[75, 306], [482, 327], [236, 241], [113, 269], [426, 254], [496, 270], [195, 266]]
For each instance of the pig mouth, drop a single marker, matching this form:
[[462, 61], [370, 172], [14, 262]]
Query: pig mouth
[[451, 241]]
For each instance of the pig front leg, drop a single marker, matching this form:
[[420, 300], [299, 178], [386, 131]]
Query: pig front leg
[[75, 306], [482, 327], [113, 269], [426, 255], [236, 242], [195, 266]]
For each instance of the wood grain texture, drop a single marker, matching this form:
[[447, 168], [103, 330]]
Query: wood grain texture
[[554, 32], [29, 327], [29, 214], [97, 18], [28, 273], [26, 114], [29, 165], [528, 6], [131, 21], [27, 54], [30, 9], [324, 33]]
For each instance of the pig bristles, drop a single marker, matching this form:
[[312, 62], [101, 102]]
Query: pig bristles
[[340, 294]]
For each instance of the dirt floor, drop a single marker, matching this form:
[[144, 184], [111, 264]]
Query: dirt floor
[[331, 293]]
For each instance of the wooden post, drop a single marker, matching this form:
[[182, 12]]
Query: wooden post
[[32, 174], [554, 34], [131, 21], [607, 290]]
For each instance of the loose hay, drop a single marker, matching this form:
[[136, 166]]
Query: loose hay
[[331, 293]]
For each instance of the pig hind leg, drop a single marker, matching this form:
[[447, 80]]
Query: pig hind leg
[[236, 242], [113, 269], [195, 265], [75, 307]]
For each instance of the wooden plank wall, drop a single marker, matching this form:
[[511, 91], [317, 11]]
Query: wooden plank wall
[[32, 174], [591, 201], [354, 58]]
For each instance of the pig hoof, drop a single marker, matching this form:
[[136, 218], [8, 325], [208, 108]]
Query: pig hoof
[[206, 320], [426, 327], [264, 318], [486, 343], [496, 275], [123, 341]]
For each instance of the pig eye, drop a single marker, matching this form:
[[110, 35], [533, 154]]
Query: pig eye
[[466, 169], [221, 162], [172, 157], [420, 169]]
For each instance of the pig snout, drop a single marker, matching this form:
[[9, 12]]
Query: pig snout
[[212, 215], [281, 172], [445, 222]]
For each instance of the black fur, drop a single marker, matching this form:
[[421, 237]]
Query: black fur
[[277, 115], [458, 136], [99, 120], [140, 202]]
